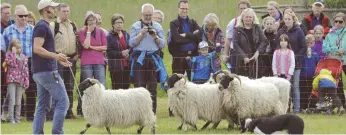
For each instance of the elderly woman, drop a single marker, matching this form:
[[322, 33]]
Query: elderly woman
[[213, 35], [249, 41], [158, 16], [334, 46], [118, 51], [297, 42], [31, 18], [273, 11]]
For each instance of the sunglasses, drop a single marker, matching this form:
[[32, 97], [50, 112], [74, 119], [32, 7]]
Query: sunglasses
[[21, 16], [336, 21]]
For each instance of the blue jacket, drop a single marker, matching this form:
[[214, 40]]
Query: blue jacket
[[310, 64]]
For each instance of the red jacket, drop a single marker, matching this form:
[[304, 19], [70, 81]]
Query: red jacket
[[325, 23]]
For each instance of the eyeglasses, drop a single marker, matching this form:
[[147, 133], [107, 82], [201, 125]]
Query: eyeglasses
[[336, 21], [21, 16]]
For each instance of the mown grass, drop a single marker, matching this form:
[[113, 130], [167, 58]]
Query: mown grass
[[225, 9], [314, 124]]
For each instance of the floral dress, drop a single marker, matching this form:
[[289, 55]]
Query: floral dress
[[17, 69]]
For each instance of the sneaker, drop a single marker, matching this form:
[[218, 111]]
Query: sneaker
[[341, 111], [71, 116], [12, 122], [17, 121]]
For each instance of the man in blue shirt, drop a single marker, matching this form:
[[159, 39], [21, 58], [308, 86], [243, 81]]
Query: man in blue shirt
[[45, 71], [22, 31], [146, 39]]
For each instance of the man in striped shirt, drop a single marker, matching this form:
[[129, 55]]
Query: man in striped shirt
[[23, 31]]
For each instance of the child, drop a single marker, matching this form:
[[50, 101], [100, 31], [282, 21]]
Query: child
[[283, 59], [201, 66], [318, 34], [326, 84], [311, 59], [17, 79], [270, 31]]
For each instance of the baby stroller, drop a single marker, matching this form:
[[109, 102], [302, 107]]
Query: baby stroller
[[335, 66]]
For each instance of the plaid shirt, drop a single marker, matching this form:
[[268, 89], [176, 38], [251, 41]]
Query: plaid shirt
[[12, 32]]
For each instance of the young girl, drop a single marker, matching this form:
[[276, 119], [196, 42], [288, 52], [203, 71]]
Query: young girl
[[318, 34], [17, 79], [283, 59]]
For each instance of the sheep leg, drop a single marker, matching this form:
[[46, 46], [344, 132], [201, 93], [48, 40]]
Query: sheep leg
[[193, 126], [243, 128], [215, 125], [206, 125], [186, 126], [139, 131], [86, 128], [108, 130], [181, 125], [153, 130]]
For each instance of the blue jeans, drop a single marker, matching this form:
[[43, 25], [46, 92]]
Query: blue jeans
[[50, 84], [90, 71], [97, 71], [295, 90]]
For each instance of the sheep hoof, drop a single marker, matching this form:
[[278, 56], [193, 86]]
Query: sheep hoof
[[180, 127], [139, 131], [108, 130], [86, 128], [153, 131]]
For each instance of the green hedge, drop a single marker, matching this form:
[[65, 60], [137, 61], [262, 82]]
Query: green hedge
[[335, 3]]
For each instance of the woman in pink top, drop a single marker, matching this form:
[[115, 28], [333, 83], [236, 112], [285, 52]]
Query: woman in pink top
[[94, 44]]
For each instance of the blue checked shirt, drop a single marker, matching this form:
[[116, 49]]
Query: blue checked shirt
[[12, 32]]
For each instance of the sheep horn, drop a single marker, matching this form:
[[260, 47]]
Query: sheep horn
[[236, 76], [182, 76]]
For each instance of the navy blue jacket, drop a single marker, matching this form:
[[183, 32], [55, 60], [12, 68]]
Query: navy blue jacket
[[114, 54]]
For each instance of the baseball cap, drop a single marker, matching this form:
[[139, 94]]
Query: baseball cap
[[202, 44], [46, 3], [318, 4]]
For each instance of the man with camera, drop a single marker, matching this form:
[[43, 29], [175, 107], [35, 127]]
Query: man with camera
[[146, 39], [183, 39]]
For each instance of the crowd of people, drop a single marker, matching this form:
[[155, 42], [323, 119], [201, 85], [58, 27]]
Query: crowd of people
[[40, 56]]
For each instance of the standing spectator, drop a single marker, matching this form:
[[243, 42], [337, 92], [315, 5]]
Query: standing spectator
[[229, 56], [334, 46], [23, 31], [273, 11], [270, 31], [290, 10], [5, 22], [31, 18], [183, 40], [213, 35], [201, 65], [94, 42], [311, 59], [158, 16], [118, 52], [318, 34], [5, 16], [283, 59], [317, 18], [17, 79], [249, 42], [99, 22], [296, 36], [45, 71], [146, 39], [65, 39]]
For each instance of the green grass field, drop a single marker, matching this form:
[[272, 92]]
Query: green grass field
[[314, 124], [225, 9]]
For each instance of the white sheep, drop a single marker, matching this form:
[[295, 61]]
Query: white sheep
[[191, 102], [249, 99], [283, 85], [116, 108]]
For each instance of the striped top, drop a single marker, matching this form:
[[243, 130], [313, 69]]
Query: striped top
[[12, 32]]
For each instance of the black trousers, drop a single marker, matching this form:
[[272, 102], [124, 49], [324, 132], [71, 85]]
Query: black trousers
[[145, 76], [31, 94], [3, 79], [179, 65], [66, 75], [120, 78], [331, 92]]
